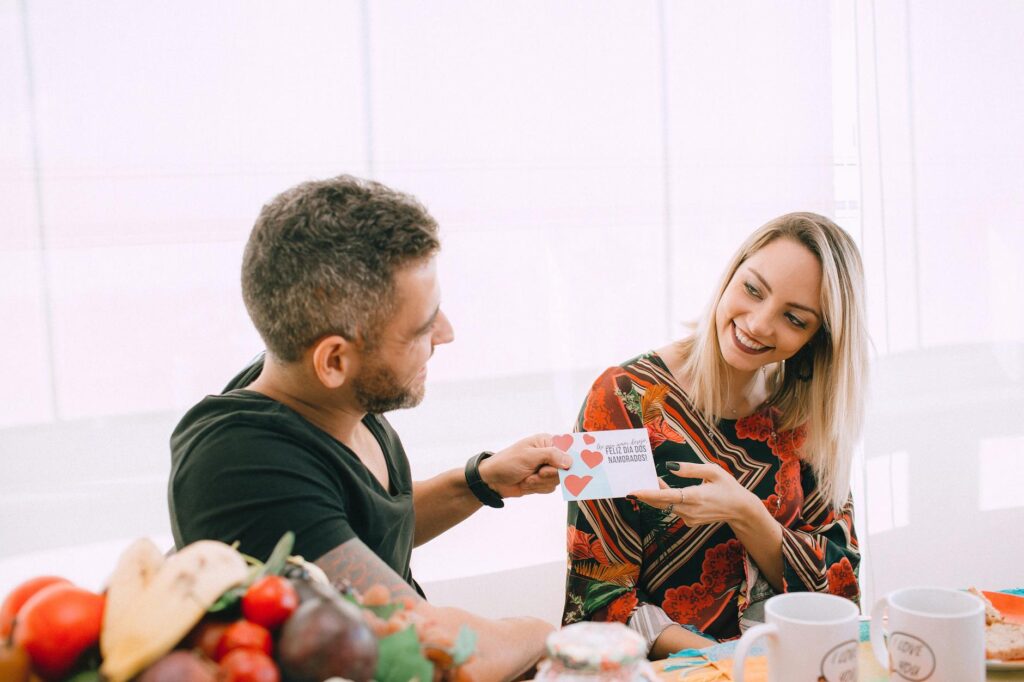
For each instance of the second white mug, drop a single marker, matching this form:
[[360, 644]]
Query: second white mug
[[932, 634]]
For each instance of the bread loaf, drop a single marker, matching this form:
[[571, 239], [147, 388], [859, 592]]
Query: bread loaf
[[991, 614], [1004, 641]]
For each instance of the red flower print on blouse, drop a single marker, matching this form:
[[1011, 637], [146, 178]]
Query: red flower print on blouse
[[723, 565], [621, 609], [584, 546], [761, 426], [684, 604], [579, 544], [787, 444], [597, 416], [841, 579], [758, 426], [721, 570], [659, 431], [789, 492]]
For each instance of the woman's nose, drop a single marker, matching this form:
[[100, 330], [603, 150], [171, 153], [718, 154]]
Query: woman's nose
[[759, 323]]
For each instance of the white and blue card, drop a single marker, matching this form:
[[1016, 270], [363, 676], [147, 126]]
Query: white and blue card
[[606, 464]]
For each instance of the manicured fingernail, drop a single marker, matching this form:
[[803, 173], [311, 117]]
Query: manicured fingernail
[[631, 497], [672, 466]]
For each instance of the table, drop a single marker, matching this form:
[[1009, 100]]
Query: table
[[869, 670]]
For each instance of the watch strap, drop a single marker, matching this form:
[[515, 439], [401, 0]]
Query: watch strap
[[481, 490]]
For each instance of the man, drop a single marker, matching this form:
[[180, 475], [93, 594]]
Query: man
[[340, 280]]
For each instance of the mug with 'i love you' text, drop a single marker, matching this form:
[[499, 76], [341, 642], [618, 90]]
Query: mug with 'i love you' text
[[930, 634]]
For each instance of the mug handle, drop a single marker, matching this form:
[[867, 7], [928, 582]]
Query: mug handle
[[746, 641], [879, 643]]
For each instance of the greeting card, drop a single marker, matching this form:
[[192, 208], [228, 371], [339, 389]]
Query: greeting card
[[606, 464]]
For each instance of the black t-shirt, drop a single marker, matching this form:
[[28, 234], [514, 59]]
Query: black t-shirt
[[245, 467]]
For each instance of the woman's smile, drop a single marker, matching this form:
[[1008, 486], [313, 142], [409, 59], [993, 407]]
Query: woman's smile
[[747, 344]]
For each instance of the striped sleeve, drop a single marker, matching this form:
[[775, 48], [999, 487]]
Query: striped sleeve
[[820, 552]]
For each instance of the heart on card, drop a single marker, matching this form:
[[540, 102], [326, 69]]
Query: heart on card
[[563, 442], [588, 439], [591, 458], [576, 484]]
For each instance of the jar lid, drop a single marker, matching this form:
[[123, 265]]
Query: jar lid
[[596, 646]]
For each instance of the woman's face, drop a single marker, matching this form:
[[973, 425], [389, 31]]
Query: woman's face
[[771, 307]]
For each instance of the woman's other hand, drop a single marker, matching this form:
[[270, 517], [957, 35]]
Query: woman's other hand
[[719, 498]]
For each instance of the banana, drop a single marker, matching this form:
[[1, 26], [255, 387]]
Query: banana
[[152, 603]]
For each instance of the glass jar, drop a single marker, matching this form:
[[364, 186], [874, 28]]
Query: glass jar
[[595, 652]]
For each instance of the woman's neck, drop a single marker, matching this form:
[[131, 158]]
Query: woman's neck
[[743, 392]]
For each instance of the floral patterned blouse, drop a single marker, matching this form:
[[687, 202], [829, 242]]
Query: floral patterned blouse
[[624, 554]]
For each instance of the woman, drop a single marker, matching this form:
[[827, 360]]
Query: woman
[[755, 417]]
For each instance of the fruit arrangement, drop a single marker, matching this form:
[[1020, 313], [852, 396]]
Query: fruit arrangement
[[210, 614]]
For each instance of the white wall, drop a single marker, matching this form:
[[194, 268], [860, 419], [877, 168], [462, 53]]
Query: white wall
[[592, 166]]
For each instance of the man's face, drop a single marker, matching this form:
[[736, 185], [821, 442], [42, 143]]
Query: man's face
[[393, 375]]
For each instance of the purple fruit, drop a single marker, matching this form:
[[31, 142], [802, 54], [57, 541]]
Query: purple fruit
[[180, 666], [327, 638]]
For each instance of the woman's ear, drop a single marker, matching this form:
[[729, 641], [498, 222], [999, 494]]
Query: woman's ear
[[334, 358]]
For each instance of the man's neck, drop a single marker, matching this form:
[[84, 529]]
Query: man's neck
[[295, 388]]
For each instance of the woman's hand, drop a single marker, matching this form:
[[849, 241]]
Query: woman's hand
[[721, 499], [718, 499]]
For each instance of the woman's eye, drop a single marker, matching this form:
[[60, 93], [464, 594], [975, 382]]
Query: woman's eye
[[752, 290], [796, 321]]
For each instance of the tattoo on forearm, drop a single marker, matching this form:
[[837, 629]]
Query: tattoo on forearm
[[354, 565]]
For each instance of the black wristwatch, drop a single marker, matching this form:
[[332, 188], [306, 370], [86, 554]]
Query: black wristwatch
[[483, 492]]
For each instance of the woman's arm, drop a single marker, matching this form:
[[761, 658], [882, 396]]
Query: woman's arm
[[820, 555], [720, 498], [676, 638]]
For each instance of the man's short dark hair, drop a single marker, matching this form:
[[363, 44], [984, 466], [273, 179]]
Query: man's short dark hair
[[322, 257]]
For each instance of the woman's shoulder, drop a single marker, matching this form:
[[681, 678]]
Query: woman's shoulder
[[636, 366], [644, 370]]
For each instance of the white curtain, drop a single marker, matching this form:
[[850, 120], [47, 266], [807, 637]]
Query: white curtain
[[592, 166]]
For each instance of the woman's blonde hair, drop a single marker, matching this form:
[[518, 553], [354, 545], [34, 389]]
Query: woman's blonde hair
[[830, 402]]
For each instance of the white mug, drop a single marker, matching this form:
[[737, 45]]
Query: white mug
[[811, 636], [932, 634]]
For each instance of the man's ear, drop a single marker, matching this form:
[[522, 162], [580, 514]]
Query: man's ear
[[334, 359]]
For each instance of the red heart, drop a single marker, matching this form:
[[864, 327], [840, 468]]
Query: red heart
[[563, 443], [576, 484], [588, 439], [591, 458]]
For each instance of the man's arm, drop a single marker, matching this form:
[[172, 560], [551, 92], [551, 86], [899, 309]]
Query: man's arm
[[506, 648], [353, 564], [526, 467]]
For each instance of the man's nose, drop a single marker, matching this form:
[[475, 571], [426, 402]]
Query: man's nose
[[443, 331]]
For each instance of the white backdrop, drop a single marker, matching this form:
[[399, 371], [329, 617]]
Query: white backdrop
[[592, 166]]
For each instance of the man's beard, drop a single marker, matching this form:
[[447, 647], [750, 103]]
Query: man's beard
[[378, 391]]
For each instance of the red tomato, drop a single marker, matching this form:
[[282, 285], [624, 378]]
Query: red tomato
[[17, 598], [249, 665], [244, 635], [269, 601], [206, 636], [56, 625]]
